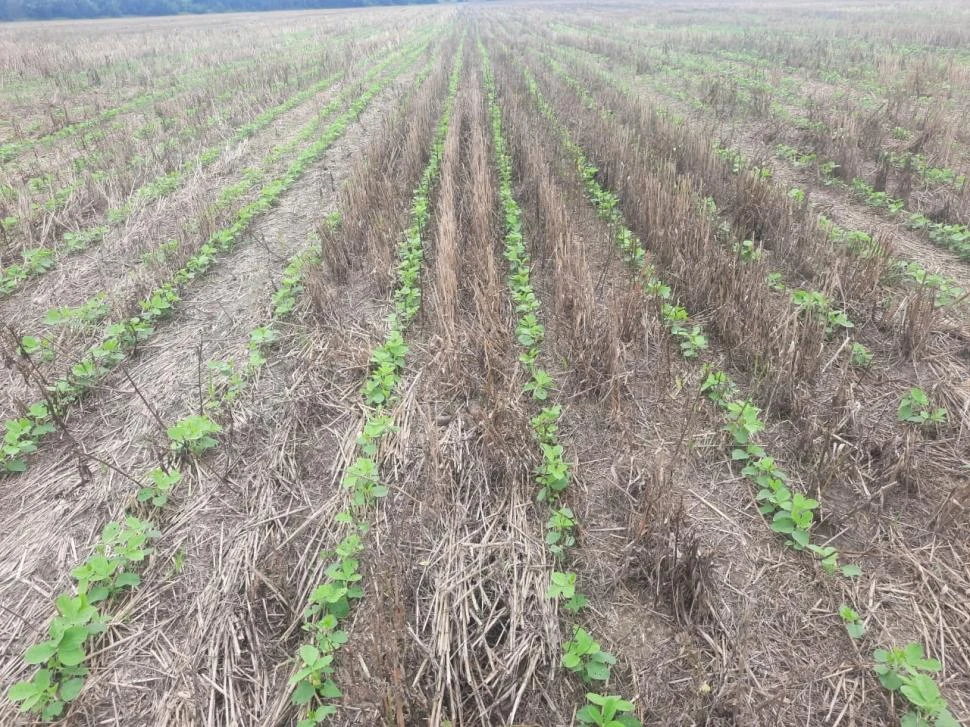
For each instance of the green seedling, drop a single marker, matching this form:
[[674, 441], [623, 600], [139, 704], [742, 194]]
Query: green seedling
[[559, 531], [747, 251], [123, 546], [582, 655], [915, 408], [363, 480], [907, 671], [861, 356], [539, 385], [775, 282], [313, 676], [607, 711], [562, 588], [162, 483], [743, 422], [552, 473], [853, 623], [719, 387], [545, 424], [194, 434]]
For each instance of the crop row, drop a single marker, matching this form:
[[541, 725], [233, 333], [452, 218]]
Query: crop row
[[96, 308], [96, 170], [331, 601], [581, 653], [22, 435], [756, 77], [125, 544], [945, 290], [787, 512], [953, 236], [192, 79], [682, 71], [39, 260]]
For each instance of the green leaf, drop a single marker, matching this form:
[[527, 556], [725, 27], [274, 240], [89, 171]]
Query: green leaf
[[922, 691], [597, 671], [303, 693], [309, 653], [70, 689], [851, 571], [22, 690], [40, 653]]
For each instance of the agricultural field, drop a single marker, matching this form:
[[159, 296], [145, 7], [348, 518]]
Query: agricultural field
[[487, 364]]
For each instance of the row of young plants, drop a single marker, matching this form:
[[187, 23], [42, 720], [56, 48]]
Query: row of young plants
[[144, 67], [787, 512], [167, 182], [125, 544], [812, 304], [188, 81], [40, 260], [954, 237], [581, 653], [944, 290], [951, 236], [119, 556], [332, 600], [756, 93], [21, 436]]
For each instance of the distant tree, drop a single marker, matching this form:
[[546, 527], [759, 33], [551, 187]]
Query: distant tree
[[48, 9]]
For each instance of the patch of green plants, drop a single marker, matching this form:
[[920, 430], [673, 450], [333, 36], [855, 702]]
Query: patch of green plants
[[871, 197], [861, 356], [789, 513], [163, 185], [690, 339], [915, 408], [582, 655], [110, 569], [290, 287], [954, 237], [21, 435], [945, 290], [162, 483], [818, 305], [906, 671], [36, 261], [87, 314], [123, 337], [607, 711], [560, 532], [747, 251], [935, 176], [193, 434], [562, 588], [853, 622]]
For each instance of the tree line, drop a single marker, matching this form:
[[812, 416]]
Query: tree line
[[51, 9]]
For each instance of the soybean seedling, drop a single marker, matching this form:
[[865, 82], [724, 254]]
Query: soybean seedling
[[915, 407], [583, 655], [193, 434], [607, 711]]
